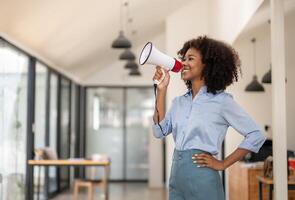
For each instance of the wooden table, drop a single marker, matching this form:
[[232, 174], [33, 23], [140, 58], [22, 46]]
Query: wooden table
[[243, 184], [269, 182], [72, 163]]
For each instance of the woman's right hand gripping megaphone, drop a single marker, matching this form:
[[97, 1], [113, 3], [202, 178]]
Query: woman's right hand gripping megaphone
[[161, 78]]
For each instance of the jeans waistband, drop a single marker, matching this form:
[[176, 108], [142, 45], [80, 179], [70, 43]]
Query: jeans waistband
[[186, 154]]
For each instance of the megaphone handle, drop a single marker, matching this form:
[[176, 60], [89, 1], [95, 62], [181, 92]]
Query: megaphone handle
[[157, 82]]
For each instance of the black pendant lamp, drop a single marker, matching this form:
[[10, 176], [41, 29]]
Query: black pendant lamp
[[135, 72], [127, 55], [254, 86], [267, 77], [131, 65], [121, 42]]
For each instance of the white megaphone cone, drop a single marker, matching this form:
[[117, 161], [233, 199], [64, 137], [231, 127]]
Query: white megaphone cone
[[151, 55]]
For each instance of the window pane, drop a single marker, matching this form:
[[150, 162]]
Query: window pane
[[65, 130], [13, 120], [105, 126], [139, 112], [40, 100], [53, 129], [40, 96], [73, 117]]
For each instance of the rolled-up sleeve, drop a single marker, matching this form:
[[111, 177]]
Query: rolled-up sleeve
[[165, 124], [237, 118]]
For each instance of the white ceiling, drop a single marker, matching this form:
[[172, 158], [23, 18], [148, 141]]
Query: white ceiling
[[75, 35]]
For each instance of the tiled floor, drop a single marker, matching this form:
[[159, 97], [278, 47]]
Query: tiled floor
[[122, 191]]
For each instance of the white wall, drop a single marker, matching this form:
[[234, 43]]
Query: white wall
[[259, 104]]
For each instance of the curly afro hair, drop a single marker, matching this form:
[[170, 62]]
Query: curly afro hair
[[221, 62]]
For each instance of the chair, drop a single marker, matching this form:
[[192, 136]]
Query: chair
[[45, 153], [91, 183]]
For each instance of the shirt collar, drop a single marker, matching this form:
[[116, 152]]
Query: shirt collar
[[188, 93], [202, 90]]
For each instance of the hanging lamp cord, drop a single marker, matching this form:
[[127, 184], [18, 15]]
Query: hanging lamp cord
[[254, 54], [157, 111]]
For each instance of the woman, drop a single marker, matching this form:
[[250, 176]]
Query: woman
[[199, 120]]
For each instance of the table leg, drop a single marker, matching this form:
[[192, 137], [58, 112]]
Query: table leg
[[45, 187], [38, 184], [106, 182], [260, 190], [107, 191]]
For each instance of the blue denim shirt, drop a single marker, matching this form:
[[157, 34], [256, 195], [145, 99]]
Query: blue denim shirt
[[202, 122]]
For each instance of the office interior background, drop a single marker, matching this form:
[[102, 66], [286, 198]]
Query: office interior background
[[63, 86]]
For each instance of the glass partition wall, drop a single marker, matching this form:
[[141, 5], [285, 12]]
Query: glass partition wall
[[52, 171], [35, 110], [118, 126], [105, 130], [139, 112], [64, 130]]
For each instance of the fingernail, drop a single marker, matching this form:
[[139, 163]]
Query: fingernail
[[198, 166], [193, 157], [194, 161]]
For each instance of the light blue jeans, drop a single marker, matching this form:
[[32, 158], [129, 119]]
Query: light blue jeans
[[189, 182]]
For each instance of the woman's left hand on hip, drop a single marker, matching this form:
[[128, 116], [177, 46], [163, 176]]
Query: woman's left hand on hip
[[206, 160]]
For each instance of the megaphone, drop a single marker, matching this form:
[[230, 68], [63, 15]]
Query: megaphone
[[151, 55]]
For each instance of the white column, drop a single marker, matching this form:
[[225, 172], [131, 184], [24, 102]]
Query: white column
[[279, 100]]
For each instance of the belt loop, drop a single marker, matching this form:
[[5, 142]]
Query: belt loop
[[180, 155]]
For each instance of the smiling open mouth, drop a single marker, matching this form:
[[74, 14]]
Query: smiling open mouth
[[185, 70]]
